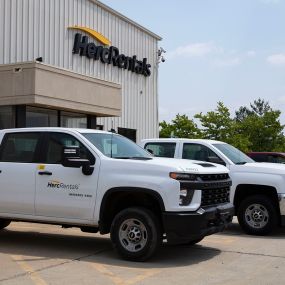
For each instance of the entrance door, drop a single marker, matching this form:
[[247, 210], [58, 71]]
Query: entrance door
[[65, 192], [18, 155]]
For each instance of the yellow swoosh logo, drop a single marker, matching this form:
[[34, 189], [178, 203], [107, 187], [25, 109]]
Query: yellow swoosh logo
[[94, 34]]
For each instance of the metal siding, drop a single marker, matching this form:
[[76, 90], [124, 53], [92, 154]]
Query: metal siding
[[34, 28]]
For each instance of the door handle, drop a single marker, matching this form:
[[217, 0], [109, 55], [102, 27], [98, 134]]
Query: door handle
[[45, 173]]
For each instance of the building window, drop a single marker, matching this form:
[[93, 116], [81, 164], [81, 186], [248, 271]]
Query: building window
[[40, 117], [128, 133], [73, 120], [7, 117]]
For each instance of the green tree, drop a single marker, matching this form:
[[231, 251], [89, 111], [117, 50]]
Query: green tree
[[180, 127], [261, 124], [218, 125]]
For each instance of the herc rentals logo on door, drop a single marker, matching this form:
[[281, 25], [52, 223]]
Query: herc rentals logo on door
[[59, 185], [109, 54]]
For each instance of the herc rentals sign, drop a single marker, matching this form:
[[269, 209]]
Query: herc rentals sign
[[109, 55]]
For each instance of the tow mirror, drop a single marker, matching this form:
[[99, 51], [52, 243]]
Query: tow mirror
[[71, 158]]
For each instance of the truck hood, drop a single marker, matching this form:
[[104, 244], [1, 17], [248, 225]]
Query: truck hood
[[185, 165], [260, 167]]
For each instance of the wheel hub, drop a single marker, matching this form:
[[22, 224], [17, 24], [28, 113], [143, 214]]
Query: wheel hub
[[256, 216], [133, 235]]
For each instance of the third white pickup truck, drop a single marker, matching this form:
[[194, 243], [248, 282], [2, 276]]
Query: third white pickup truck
[[258, 189]]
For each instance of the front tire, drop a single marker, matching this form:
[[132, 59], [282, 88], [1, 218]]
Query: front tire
[[4, 224], [136, 234], [257, 215]]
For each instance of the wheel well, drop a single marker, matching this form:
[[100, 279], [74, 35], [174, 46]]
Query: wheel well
[[245, 190], [117, 199]]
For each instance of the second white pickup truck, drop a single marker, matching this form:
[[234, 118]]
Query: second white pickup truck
[[258, 189]]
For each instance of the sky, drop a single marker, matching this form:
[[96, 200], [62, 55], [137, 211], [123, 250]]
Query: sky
[[217, 50]]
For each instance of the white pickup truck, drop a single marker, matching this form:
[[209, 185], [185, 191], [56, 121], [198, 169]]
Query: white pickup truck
[[103, 182], [258, 189]]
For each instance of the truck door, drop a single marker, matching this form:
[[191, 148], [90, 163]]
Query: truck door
[[18, 156], [65, 192]]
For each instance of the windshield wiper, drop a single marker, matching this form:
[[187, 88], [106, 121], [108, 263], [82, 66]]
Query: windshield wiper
[[241, 162]]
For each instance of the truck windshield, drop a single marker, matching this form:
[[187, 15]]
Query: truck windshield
[[232, 153], [116, 146]]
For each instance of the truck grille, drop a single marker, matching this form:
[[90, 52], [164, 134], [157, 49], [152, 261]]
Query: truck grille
[[214, 177], [215, 196]]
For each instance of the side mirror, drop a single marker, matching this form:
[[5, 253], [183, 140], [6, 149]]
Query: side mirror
[[217, 160], [71, 158]]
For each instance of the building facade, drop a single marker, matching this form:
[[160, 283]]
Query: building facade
[[77, 63]]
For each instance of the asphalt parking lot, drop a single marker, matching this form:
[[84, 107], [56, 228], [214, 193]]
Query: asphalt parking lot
[[44, 254]]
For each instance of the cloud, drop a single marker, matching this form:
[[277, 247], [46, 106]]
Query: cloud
[[227, 62], [194, 50], [277, 59], [251, 53], [270, 1]]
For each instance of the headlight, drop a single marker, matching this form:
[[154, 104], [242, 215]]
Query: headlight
[[186, 196], [182, 176]]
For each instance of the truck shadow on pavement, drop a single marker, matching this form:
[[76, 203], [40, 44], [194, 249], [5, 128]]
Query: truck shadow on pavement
[[234, 229], [35, 246]]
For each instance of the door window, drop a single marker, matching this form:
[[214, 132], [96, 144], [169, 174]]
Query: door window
[[161, 149], [19, 147], [199, 152], [55, 144]]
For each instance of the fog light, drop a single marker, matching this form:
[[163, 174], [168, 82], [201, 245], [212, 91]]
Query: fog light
[[186, 196]]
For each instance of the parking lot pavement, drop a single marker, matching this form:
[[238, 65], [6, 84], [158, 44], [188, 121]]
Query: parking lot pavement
[[44, 254]]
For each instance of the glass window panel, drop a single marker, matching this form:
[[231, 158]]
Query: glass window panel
[[19, 147], [7, 117], [161, 149], [73, 120], [56, 143], [40, 117]]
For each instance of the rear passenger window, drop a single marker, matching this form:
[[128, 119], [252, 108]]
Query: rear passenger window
[[19, 147], [161, 149]]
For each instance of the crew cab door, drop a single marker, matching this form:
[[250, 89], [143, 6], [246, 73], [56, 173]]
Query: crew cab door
[[65, 192], [18, 157]]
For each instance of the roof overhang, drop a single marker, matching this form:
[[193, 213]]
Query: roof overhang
[[33, 83]]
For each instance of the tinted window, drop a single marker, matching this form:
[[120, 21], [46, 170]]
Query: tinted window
[[55, 144], [198, 152], [161, 149], [19, 147], [259, 157]]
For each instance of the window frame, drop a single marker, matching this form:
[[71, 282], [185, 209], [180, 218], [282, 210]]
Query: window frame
[[201, 145], [162, 143], [44, 152], [37, 153]]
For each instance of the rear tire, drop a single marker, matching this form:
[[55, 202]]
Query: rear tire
[[257, 215], [4, 224], [136, 234]]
